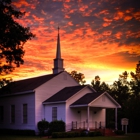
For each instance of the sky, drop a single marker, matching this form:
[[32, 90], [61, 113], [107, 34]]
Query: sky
[[98, 37]]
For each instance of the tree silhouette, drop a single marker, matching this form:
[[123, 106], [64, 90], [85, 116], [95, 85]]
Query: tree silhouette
[[79, 77], [98, 85], [13, 36], [127, 94]]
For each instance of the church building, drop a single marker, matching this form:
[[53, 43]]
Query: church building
[[56, 96]]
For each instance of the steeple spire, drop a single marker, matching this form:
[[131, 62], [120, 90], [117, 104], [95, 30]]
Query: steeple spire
[[58, 52], [58, 62]]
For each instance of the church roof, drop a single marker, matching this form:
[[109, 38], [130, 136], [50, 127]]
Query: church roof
[[86, 99], [26, 85], [64, 94]]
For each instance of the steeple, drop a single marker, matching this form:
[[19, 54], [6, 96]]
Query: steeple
[[58, 62], [58, 52]]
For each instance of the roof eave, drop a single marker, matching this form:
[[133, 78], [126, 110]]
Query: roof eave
[[58, 102], [18, 93], [84, 105]]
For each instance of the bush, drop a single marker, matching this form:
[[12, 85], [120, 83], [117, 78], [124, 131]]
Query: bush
[[84, 133], [75, 134], [98, 133], [65, 134], [119, 132], [57, 126], [17, 132], [43, 126], [92, 134]]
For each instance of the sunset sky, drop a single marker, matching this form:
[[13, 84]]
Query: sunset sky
[[98, 37]]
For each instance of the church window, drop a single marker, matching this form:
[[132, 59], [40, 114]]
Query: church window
[[25, 113], [54, 113], [12, 113], [1, 114]]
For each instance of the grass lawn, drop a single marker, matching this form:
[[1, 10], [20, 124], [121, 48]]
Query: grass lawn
[[125, 137]]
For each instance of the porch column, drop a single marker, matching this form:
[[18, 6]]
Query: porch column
[[116, 128], [88, 118]]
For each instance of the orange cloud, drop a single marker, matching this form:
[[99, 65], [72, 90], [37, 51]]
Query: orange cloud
[[83, 8], [70, 23], [118, 35], [118, 15], [126, 18], [137, 15], [67, 16], [21, 3]]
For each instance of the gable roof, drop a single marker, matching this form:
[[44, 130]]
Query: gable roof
[[91, 97], [26, 84], [64, 94], [86, 99]]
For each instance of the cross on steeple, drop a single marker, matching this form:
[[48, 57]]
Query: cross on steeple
[[58, 62]]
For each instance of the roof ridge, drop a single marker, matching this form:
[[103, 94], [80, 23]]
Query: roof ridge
[[34, 77], [27, 84]]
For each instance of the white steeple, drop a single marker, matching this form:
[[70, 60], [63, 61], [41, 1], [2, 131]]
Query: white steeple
[[58, 62]]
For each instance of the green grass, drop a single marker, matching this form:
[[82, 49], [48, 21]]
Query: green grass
[[125, 137]]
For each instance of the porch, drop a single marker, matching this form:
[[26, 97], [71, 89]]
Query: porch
[[89, 112], [84, 125], [93, 126]]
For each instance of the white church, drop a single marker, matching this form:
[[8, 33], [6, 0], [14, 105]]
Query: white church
[[56, 96]]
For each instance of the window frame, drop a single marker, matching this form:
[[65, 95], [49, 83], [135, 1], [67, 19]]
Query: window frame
[[12, 115], [1, 114], [54, 113], [25, 113]]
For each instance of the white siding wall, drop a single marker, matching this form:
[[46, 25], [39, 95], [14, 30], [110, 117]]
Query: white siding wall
[[48, 89], [103, 101], [60, 112], [18, 101]]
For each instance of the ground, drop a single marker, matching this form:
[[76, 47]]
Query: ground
[[125, 137]]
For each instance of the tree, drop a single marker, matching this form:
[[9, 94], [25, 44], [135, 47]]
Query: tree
[[99, 86], [127, 94], [96, 83], [79, 77], [135, 82], [12, 37], [134, 103], [124, 78]]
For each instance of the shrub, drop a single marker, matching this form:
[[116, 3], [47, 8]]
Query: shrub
[[57, 126], [65, 134], [17, 132], [119, 132], [42, 126], [92, 134], [84, 133], [75, 134]]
